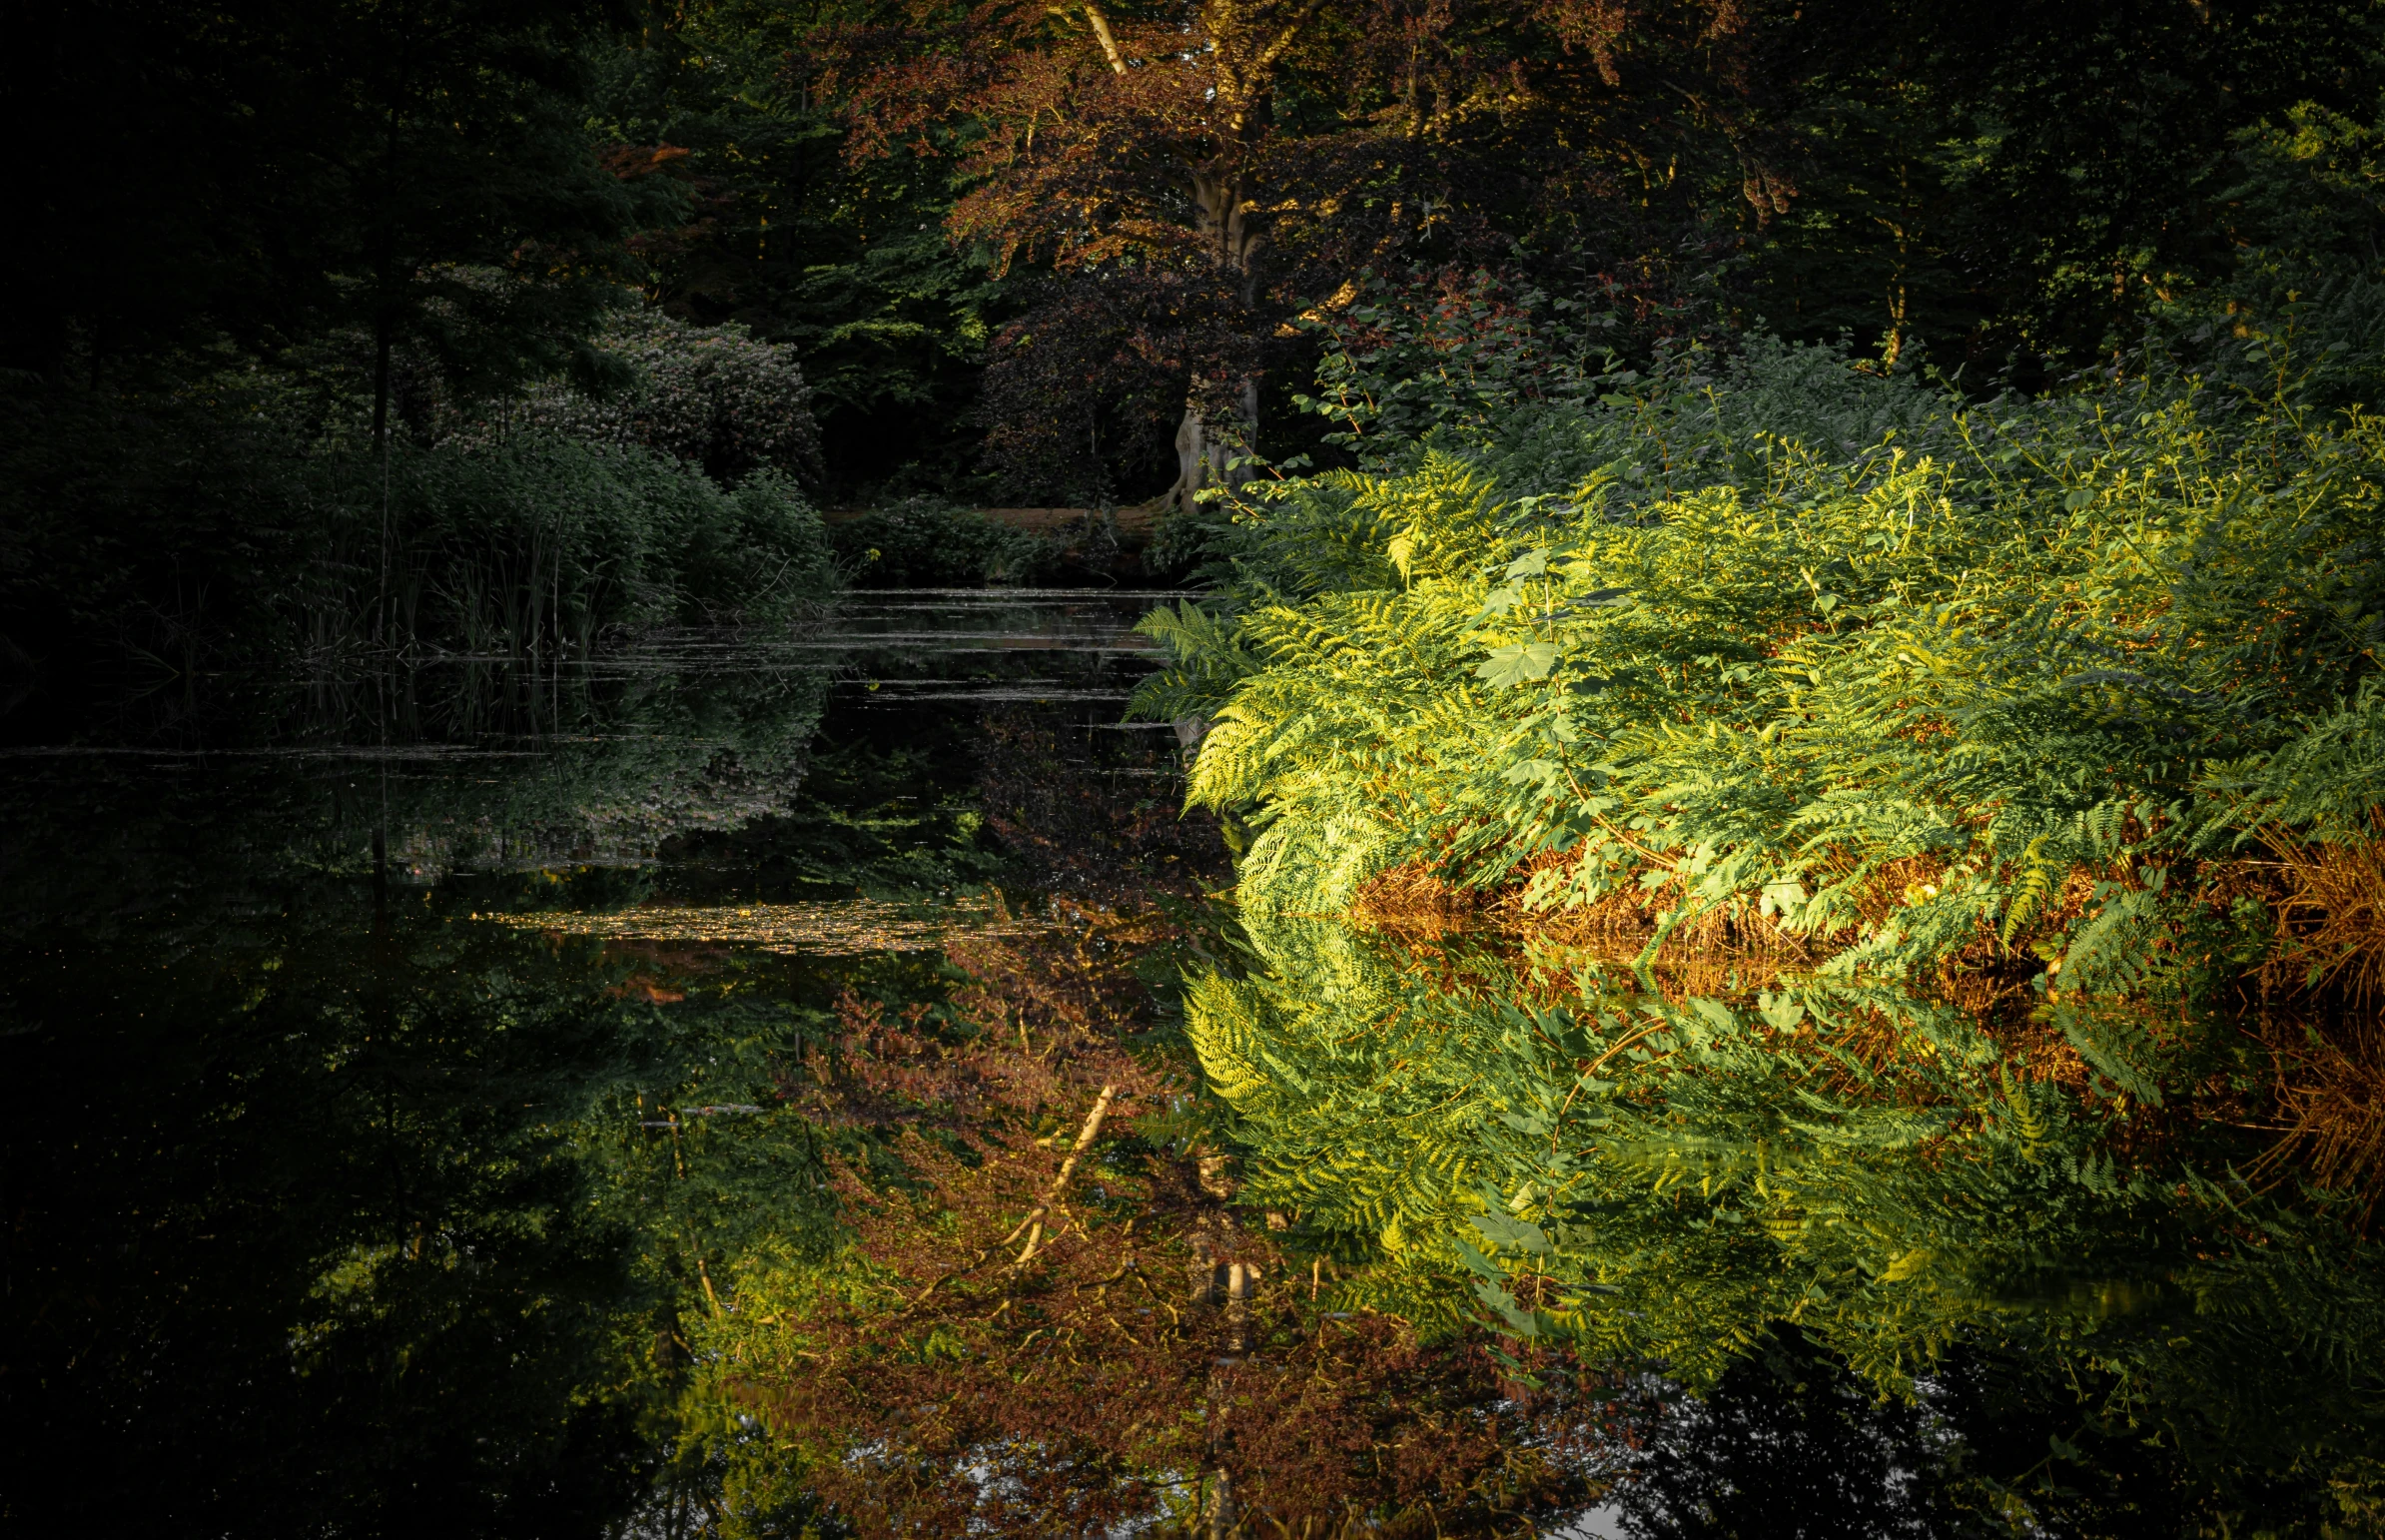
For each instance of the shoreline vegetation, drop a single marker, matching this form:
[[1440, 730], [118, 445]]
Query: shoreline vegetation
[[1752, 844], [245, 517]]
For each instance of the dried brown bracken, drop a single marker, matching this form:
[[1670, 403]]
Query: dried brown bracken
[[2331, 919]]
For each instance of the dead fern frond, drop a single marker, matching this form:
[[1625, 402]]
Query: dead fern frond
[[2331, 1110], [1412, 902], [2331, 922]]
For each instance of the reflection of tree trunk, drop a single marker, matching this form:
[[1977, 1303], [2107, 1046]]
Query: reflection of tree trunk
[[1216, 1282], [1222, 1506], [1231, 1284], [1101, 26]]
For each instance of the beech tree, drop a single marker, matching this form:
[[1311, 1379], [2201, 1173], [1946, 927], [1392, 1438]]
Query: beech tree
[[1211, 169]]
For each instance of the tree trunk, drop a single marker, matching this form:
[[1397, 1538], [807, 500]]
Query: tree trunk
[[380, 446], [1204, 448]]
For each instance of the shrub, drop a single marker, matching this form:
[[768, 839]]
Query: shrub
[[718, 398], [923, 543], [1897, 835], [190, 528]]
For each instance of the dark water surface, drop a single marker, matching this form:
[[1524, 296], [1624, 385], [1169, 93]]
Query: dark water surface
[[353, 1159], [418, 1077]]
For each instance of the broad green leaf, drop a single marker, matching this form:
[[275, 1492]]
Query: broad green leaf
[[1516, 664]]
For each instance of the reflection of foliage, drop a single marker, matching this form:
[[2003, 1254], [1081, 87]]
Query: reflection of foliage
[[1789, 1445], [1104, 828], [508, 1193], [1569, 1156], [887, 820], [656, 756], [318, 1256], [950, 1383], [495, 767], [404, 1218]]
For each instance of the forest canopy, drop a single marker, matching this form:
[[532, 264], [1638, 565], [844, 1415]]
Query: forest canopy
[[1031, 254]]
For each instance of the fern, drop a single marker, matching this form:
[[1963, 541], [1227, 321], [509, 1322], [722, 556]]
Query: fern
[[1913, 699]]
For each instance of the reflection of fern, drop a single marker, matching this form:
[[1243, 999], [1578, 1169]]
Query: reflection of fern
[[1719, 1172], [2027, 1127]]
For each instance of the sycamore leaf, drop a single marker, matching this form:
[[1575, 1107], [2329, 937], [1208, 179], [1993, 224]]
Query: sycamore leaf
[[1512, 1235], [1510, 666], [1499, 601], [1524, 1323], [1477, 1261]]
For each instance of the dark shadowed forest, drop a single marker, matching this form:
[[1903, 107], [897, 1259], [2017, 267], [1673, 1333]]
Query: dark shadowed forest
[[1222, 768]]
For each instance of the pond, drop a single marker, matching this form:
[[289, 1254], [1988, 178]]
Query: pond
[[352, 1022], [755, 1086]]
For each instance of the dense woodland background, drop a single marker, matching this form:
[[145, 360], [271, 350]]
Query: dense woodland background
[[1016, 255]]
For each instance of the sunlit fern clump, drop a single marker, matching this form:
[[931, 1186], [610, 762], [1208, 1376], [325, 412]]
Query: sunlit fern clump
[[2003, 688]]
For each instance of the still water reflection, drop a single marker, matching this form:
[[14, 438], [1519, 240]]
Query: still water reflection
[[340, 1203], [809, 1085]]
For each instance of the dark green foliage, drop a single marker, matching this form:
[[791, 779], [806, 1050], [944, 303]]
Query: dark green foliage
[[2023, 184], [715, 397], [925, 542], [2302, 309], [412, 175], [845, 261], [182, 526]]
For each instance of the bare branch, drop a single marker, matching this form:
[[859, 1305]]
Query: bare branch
[[1101, 26], [1085, 1138]]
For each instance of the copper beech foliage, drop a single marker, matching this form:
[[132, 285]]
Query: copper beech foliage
[[1198, 173], [996, 1375], [1216, 130]]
